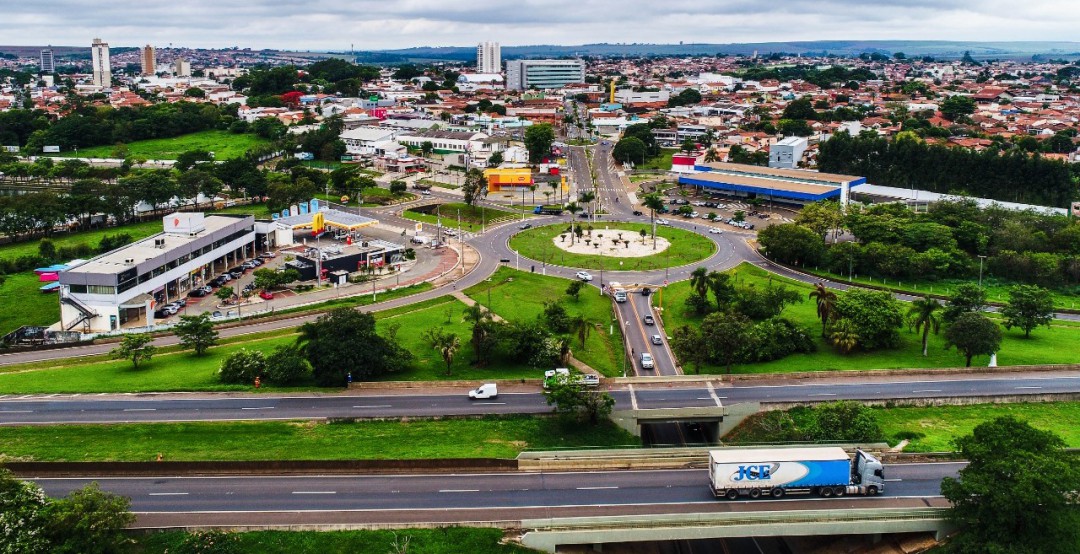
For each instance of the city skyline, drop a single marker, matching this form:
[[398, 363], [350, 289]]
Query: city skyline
[[370, 26]]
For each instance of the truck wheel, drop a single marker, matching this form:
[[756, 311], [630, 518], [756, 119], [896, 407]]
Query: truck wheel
[[838, 491], [871, 490], [826, 492], [778, 493], [755, 493], [732, 494]]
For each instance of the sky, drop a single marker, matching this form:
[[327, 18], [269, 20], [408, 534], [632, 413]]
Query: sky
[[390, 24]]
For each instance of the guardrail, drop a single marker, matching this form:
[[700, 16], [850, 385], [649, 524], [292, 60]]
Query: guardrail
[[728, 519]]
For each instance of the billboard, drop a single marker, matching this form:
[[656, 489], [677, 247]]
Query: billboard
[[51, 149], [12, 149], [1075, 209]]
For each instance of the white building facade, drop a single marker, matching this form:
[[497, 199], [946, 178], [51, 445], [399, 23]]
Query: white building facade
[[488, 57], [543, 74], [99, 58]]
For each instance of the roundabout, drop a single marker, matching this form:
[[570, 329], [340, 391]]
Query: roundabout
[[612, 246]]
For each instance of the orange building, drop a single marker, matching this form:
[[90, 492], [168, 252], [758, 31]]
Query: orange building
[[502, 179]]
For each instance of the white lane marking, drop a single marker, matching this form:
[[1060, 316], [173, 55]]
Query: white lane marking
[[259, 408], [140, 409], [594, 488], [375, 406], [823, 394], [927, 390], [168, 494], [491, 403], [16, 411], [314, 492], [1029, 387], [459, 490], [712, 393], [633, 398], [893, 480]]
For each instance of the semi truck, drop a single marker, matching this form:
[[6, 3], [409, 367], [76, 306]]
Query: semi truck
[[548, 210], [775, 472]]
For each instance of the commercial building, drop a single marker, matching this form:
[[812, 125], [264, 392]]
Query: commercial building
[[121, 288], [148, 60], [791, 186], [182, 68], [787, 153], [488, 57], [99, 59], [508, 179], [447, 142], [543, 74], [370, 141], [48, 65]]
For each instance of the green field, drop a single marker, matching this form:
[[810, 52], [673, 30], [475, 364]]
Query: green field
[[1056, 345], [686, 247], [443, 540], [487, 437], [90, 238], [24, 304], [223, 144], [471, 216], [661, 162], [520, 296]]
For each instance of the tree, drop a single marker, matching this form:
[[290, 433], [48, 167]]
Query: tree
[[196, 332], [973, 334], [23, 516], [242, 367], [956, 107], [574, 289], [721, 287], [725, 335], [426, 148], [875, 315], [286, 365], [1017, 493], [790, 243], [1028, 307], [538, 139], [398, 187], [224, 293], [800, 109], [575, 402], [922, 314], [966, 297], [495, 159], [629, 149], [688, 344], [444, 342], [89, 521], [135, 347], [845, 421], [345, 341], [581, 326], [821, 217], [475, 187], [654, 203], [826, 304], [699, 281], [844, 335]]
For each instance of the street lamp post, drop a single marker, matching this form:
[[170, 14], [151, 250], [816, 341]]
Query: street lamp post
[[981, 258]]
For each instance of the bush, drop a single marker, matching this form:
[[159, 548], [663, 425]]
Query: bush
[[776, 338], [845, 421], [209, 542], [112, 242], [242, 367], [286, 365], [556, 318]]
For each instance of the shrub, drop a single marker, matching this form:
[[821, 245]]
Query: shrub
[[286, 365], [242, 366], [209, 542], [112, 242]]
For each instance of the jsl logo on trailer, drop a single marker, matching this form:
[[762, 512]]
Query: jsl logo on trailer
[[754, 473]]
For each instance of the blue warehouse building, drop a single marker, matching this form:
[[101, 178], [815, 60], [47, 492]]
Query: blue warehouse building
[[792, 186]]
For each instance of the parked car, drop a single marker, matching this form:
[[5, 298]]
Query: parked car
[[224, 278], [648, 319], [266, 295], [250, 264], [584, 276], [162, 314], [197, 292], [268, 255], [646, 361], [656, 339], [590, 380]]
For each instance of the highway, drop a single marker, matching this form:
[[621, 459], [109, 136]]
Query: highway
[[29, 409], [505, 496]]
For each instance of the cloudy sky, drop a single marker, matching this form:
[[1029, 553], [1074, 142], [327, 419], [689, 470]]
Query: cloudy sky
[[379, 24]]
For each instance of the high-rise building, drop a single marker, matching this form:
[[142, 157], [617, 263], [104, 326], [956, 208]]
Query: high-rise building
[[543, 74], [99, 56], [488, 58], [182, 67], [47, 63], [149, 63]]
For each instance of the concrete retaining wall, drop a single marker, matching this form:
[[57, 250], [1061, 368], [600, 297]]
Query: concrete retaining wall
[[300, 467], [940, 401]]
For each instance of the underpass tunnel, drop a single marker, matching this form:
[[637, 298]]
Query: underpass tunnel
[[680, 433]]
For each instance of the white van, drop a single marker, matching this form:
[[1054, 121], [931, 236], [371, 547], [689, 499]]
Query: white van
[[487, 390]]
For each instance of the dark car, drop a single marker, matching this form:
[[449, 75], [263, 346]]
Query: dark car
[[197, 292], [649, 320], [637, 212], [646, 291], [161, 314]]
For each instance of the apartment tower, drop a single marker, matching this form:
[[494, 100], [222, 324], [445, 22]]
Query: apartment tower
[[488, 58], [99, 56], [48, 65], [149, 63]]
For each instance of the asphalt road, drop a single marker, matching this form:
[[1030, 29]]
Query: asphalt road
[[600, 493], [20, 410]]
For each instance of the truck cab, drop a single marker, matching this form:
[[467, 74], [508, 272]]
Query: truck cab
[[868, 473]]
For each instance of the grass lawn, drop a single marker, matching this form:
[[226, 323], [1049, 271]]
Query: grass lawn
[[471, 216], [1055, 345], [24, 304], [444, 540], [91, 238], [520, 296], [487, 437], [661, 162], [996, 289], [223, 144], [686, 247]]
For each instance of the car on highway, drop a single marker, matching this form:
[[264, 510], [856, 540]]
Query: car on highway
[[648, 319], [662, 221], [716, 231], [584, 275], [646, 361], [656, 339], [525, 226], [487, 390], [425, 193]]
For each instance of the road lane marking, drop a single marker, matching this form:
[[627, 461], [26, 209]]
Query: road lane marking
[[491, 403], [893, 480], [314, 492], [376, 406], [927, 390], [259, 408], [594, 488], [168, 494], [712, 393], [16, 411], [1029, 387], [823, 394], [140, 409], [633, 398], [459, 490]]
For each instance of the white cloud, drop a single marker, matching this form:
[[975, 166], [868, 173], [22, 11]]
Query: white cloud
[[370, 24]]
